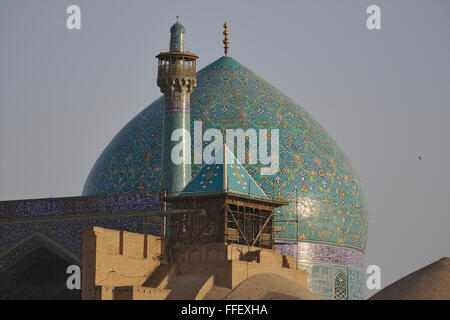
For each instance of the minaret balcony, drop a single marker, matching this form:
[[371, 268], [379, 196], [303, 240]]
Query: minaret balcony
[[175, 70]]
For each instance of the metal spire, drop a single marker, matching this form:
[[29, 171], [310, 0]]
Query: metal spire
[[226, 42]]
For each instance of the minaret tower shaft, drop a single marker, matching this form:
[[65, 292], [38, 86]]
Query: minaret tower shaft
[[177, 80]]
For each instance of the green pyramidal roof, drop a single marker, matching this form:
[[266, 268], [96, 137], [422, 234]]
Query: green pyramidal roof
[[228, 176]]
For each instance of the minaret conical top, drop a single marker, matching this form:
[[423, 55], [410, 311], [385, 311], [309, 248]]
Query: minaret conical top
[[177, 37]]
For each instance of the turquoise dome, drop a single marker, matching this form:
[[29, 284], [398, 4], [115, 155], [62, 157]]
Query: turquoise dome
[[314, 173]]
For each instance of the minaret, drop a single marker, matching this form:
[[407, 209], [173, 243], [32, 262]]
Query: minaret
[[177, 80]]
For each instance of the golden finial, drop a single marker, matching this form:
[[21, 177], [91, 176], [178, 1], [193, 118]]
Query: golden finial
[[226, 42]]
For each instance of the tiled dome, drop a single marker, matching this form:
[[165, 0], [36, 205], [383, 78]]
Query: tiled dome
[[331, 203]]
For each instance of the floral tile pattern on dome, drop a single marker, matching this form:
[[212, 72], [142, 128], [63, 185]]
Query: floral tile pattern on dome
[[326, 196]]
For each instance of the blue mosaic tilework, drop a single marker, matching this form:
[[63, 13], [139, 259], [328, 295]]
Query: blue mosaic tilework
[[63, 220], [306, 251], [314, 172], [175, 176], [227, 176], [327, 267], [322, 281], [78, 205], [40, 208], [124, 203], [177, 27], [355, 284], [177, 37]]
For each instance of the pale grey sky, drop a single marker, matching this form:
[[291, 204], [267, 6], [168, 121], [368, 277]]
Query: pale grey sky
[[383, 95]]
